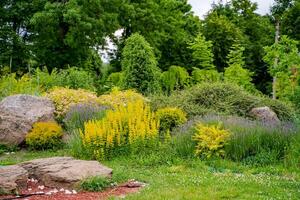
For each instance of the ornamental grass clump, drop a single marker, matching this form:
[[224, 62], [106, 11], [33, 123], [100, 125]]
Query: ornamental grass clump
[[210, 140], [124, 130]]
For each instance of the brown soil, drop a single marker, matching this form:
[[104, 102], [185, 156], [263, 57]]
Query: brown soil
[[35, 192]]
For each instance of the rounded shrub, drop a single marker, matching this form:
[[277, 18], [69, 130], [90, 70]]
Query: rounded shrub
[[117, 98], [210, 140], [170, 118], [45, 135], [64, 98], [221, 98]]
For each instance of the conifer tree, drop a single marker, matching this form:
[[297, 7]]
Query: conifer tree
[[236, 72], [140, 66], [202, 53]]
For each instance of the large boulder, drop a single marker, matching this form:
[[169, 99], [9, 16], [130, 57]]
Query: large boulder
[[64, 172], [265, 114], [17, 115], [12, 178]]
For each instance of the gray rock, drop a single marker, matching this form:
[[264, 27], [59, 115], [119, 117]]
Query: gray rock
[[265, 114], [64, 172], [12, 178], [17, 115]]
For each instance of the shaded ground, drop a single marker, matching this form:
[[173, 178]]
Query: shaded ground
[[36, 191]]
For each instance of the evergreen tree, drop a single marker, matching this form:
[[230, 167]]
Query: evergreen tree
[[236, 73], [202, 53], [284, 63], [140, 66]]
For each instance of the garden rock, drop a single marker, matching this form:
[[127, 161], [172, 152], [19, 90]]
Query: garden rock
[[12, 178], [17, 115], [64, 172], [265, 114]]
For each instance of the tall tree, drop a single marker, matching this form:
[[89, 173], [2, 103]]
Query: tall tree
[[168, 25], [291, 22], [67, 32], [278, 10], [236, 72], [257, 32], [202, 52], [140, 66], [14, 32], [223, 33], [284, 62]]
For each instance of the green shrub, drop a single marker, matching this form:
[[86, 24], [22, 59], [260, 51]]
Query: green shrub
[[114, 79], [170, 118], [75, 78], [176, 78], [44, 135], [205, 75], [72, 78], [10, 85], [95, 184], [220, 98]]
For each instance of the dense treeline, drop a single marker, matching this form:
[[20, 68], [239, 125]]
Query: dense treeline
[[232, 43]]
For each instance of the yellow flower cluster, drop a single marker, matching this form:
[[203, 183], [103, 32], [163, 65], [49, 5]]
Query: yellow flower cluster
[[125, 126], [45, 135], [117, 98], [210, 140], [64, 98]]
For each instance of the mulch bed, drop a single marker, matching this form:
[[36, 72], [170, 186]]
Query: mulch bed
[[35, 191]]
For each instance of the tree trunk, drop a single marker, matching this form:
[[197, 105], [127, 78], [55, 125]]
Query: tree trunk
[[277, 35]]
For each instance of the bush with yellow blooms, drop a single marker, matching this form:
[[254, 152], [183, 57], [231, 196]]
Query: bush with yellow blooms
[[210, 140], [44, 135], [116, 97], [64, 98], [122, 131]]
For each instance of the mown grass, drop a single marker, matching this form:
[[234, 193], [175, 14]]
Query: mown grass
[[192, 178]]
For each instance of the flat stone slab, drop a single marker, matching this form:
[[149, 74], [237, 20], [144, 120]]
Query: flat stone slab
[[58, 172], [12, 178], [64, 171]]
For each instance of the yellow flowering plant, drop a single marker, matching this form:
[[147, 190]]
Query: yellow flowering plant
[[64, 98], [117, 97], [44, 135], [123, 129], [210, 140]]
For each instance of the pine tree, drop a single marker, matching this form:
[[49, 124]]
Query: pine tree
[[236, 73], [202, 53], [140, 66]]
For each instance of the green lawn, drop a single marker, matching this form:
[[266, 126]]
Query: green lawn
[[194, 179]]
